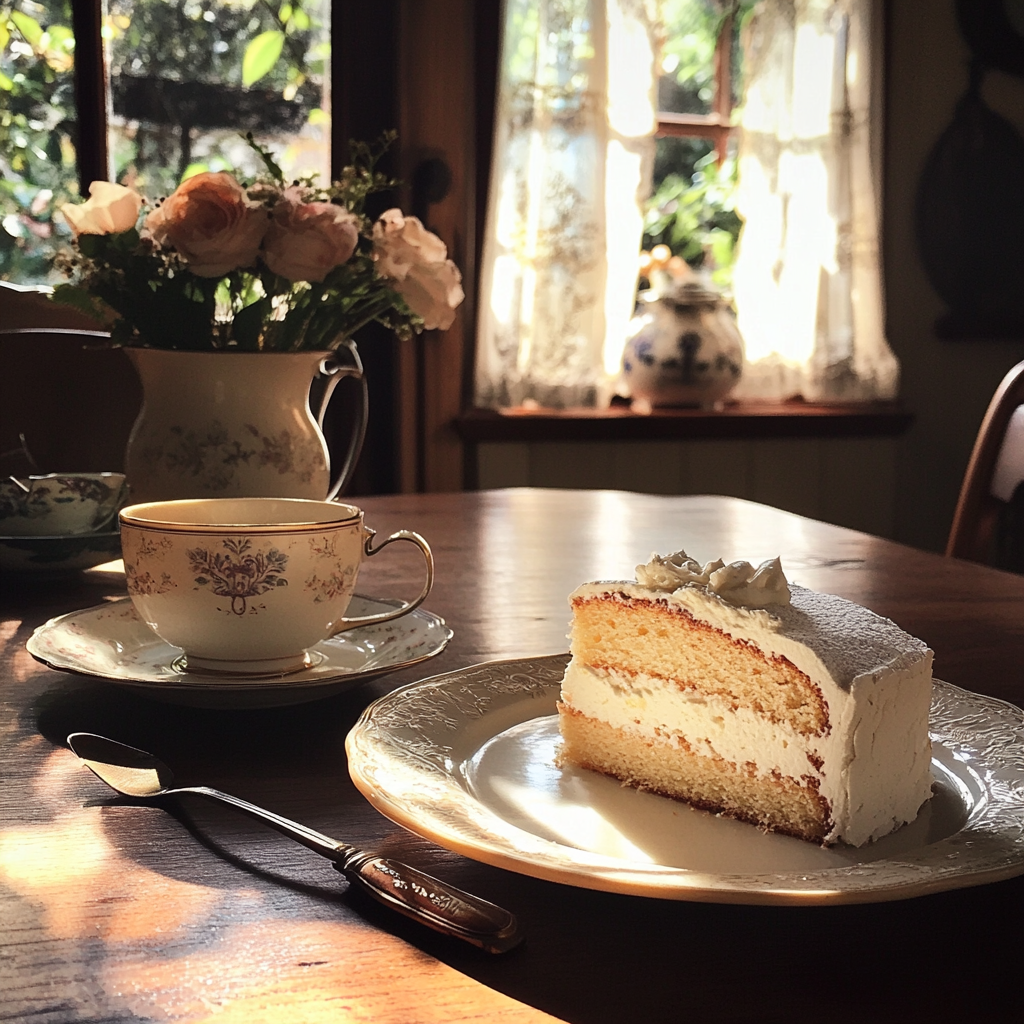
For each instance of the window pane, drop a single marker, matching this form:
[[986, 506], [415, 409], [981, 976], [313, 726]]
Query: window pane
[[37, 156], [190, 77], [691, 210], [678, 155], [687, 81]]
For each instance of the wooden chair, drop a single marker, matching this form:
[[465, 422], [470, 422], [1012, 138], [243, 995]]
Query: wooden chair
[[986, 525], [67, 404]]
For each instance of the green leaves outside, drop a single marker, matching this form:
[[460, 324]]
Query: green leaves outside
[[30, 29], [261, 55], [695, 217]]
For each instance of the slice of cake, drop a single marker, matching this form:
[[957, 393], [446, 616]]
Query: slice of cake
[[724, 686]]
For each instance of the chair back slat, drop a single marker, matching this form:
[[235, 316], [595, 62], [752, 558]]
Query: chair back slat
[[995, 469]]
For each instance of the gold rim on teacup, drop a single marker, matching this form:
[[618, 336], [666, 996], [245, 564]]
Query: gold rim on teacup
[[173, 516]]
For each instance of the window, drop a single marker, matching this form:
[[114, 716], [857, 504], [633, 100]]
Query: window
[[186, 79], [699, 85], [804, 184], [38, 168]]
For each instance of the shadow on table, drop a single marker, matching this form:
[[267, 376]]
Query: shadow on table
[[589, 957]]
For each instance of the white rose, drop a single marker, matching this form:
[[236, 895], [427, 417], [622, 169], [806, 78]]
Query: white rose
[[212, 224], [416, 263], [109, 210], [306, 241]]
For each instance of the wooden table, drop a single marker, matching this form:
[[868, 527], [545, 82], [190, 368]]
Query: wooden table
[[116, 912]]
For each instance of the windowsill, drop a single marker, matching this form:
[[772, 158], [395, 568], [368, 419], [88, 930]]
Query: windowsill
[[795, 419]]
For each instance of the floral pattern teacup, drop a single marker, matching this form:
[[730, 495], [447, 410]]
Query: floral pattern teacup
[[59, 504], [249, 585]]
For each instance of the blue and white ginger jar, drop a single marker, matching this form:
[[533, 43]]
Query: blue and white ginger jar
[[683, 347]]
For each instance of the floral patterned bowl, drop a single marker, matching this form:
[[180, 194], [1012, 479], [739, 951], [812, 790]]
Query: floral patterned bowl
[[60, 504]]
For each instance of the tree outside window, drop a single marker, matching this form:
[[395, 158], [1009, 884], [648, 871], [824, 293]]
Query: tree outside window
[[691, 209], [37, 128], [186, 80]]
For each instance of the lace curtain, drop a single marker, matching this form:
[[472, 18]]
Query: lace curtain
[[571, 165], [807, 280], [572, 155]]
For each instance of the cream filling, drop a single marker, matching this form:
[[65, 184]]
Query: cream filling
[[875, 767], [659, 710]]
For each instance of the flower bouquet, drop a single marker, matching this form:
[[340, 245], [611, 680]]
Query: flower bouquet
[[263, 266]]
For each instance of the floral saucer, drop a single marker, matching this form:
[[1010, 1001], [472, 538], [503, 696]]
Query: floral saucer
[[59, 554], [111, 642]]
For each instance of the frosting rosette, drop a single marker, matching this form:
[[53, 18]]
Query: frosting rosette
[[739, 583]]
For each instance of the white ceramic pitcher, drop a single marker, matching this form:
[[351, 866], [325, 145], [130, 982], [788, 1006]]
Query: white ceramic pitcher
[[237, 424]]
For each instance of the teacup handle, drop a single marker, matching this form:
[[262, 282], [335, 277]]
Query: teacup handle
[[407, 606]]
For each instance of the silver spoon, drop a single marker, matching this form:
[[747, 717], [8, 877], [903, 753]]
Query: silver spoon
[[422, 897]]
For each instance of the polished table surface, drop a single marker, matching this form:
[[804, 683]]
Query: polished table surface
[[117, 912]]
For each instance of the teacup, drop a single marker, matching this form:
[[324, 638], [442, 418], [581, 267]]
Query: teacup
[[59, 504], [249, 585]]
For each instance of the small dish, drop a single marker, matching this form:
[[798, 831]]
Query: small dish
[[468, 760], [60, 504], [62, 554], [111, 642]]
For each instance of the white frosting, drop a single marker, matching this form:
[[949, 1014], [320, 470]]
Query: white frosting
[[875, 680], [738, 583]]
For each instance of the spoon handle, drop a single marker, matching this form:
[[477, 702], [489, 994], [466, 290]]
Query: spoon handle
[[399, 886], [308, 837], [432, 902]]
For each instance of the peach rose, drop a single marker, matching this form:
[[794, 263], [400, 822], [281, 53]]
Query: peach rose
[[306, 241], [109, 210], [212, 224], [416, 263]]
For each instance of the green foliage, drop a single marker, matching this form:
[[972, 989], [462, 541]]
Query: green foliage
[[691, 29], [269, 45], [695, 217], [279, 46], [37, 169], [261, 55], [692, 209]]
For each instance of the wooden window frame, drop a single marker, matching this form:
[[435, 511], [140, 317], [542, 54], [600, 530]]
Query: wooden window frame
[[716, 126]]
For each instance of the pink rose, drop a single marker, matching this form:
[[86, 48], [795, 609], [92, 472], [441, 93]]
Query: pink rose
[[416, 263], [212, 224], [306, 241], [109, 210]]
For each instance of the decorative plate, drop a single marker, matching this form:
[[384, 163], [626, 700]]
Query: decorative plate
[[69, 553], [468, 760], [111, 642]]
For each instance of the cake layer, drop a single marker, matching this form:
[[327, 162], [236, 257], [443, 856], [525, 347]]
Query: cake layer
[[816, 696], [821, 634], [673, 769], [648, 635]]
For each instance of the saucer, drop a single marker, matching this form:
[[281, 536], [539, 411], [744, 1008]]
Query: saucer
[[111, 642], [59, 554]]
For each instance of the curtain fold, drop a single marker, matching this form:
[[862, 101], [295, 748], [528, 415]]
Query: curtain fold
[[807, 281], [571, 167]]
